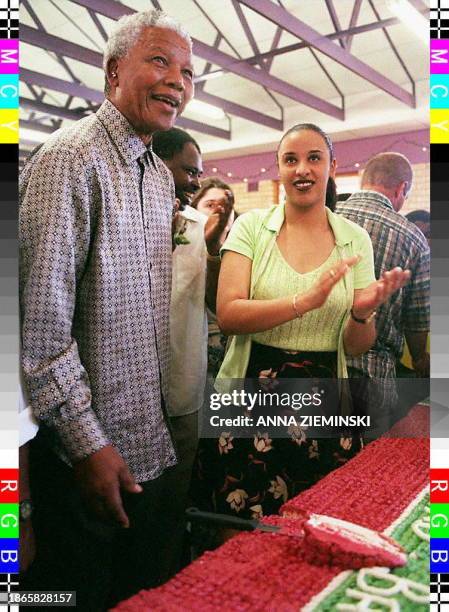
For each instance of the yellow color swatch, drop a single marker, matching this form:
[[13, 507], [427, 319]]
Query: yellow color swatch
[[9, 125], [439, 125]]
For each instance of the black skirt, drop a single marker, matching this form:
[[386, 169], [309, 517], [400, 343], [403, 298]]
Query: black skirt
[[253, 477]]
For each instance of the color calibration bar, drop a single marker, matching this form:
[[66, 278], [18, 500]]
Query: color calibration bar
[[9, 521], [439, 456], [438, 519], [439, 91], [9, 325], [9, 91]]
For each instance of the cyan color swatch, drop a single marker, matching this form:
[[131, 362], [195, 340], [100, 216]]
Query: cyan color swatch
[[9, 91], [439, 91]]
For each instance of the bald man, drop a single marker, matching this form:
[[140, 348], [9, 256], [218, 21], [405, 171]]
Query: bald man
[[386, 183]]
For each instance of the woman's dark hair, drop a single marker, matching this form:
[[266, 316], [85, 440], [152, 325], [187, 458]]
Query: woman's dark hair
[[207, 184], [331, 194], [422, 216], [331, 189]]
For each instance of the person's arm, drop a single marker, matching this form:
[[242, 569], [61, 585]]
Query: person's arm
[[56, 213], [360, 336], [417, 345], [360, 330], [55, 223], [213, 231], [416, 310], [212, 275], [237, 314]]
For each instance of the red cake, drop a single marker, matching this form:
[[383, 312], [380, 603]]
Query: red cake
[[382, 489]]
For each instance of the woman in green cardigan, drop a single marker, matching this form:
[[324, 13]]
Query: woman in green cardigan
[[297, 292]]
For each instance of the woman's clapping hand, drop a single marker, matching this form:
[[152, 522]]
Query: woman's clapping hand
[[367, 300], [318, 294]]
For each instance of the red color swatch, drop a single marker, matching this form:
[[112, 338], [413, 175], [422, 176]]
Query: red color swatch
[[9, 486], [439, 486]]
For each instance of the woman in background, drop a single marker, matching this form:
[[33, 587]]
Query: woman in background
[[296, 292], [209, 196], [421, 218], [207, 200]]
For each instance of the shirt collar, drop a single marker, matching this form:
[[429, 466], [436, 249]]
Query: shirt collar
[[121, 132], [372, 196], [191, 214], [342, 230]]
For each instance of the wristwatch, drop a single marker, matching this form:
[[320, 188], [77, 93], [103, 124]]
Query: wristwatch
[[25, 510], [368, 319]]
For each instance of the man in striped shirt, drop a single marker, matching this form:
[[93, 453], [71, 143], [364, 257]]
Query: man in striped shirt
[[386, 184]]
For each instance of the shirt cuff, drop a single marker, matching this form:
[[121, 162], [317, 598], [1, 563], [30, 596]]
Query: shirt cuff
[[82, 436]]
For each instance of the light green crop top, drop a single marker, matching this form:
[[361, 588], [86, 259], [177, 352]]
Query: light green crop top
[[317, 330], [254, 235]]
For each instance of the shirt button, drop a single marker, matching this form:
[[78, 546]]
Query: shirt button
[[153, 303]]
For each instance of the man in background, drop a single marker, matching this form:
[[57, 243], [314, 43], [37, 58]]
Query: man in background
[[95, 280], [195, 269], [386, 184]]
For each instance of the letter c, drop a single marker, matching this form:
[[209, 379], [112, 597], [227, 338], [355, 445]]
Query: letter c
[[443, 87]]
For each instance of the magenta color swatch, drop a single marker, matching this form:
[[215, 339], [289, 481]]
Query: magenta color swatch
[[9, 56], [439, 56]]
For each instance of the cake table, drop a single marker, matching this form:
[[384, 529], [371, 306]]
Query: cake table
[[383, 488]]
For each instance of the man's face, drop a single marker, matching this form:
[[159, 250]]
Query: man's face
[[153, 82], [187, 168]]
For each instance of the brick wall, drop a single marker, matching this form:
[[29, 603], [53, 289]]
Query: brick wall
[[268, 193], [420, 195]]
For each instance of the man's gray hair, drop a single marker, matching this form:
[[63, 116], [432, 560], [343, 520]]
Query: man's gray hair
[[128, 28], [389, 170]]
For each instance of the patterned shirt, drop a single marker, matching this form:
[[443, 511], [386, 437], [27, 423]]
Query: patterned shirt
[[95, 282], [396, 242]]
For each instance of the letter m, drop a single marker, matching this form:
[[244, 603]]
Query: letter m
[[435, 56], [6, 56]]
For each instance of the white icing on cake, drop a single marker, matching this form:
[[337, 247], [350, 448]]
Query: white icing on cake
[[356, 532], [365, 599]]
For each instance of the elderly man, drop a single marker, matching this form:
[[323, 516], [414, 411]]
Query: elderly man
[[386, 183], [95, 235]]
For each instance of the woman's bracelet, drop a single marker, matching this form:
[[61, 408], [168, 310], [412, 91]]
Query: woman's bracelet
[[364, 321], [215, 258], [295, 307]]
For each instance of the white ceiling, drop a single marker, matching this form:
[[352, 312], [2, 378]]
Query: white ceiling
[[369, 111]]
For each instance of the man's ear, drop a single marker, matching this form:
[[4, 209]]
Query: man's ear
[[333, 169], [406, 187], [400, 189], [112, 72]]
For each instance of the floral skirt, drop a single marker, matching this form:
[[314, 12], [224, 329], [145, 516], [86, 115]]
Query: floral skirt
[[252, 477]]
